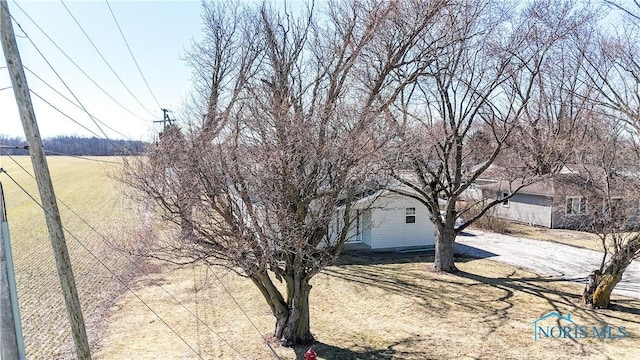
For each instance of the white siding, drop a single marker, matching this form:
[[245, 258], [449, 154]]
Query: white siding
[[366, 227], [389, 228]]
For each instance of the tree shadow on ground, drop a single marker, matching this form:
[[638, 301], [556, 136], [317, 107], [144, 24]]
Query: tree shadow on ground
[[326, 351], [489, 294], [619, 305], [356, 267], [438, 292], [368, 257], [538, 286]]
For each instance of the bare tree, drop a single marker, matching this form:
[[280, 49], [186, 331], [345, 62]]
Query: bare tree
[[284, 124], [614, 68], [482, 89], [608, 184]]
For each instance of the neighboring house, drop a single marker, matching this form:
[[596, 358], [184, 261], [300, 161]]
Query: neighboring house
[[390, 221], [565, 200]]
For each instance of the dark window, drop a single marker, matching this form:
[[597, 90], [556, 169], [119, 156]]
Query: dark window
[[410, 215], [576, 205], [505, 201]]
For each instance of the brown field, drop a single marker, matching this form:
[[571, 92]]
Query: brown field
[[85, 188], [366, 307]]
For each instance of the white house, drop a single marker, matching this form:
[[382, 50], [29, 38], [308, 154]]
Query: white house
[[387, 220]]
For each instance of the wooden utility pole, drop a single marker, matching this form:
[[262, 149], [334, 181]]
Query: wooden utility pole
[[11, 341], [166, 120], [43, 179]]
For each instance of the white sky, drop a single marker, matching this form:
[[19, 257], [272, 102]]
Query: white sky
[[158, 32]]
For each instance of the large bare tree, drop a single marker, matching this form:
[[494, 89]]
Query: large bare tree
[[283, 125], [492, 90], [614, 68], [610, 184]]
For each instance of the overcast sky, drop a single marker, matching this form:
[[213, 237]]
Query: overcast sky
[[158, 33]]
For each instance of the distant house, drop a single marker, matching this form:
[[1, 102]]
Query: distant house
[[390, 221], [565, 200]]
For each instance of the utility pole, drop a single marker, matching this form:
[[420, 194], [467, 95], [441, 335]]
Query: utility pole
[[166, 120], [45, 186], [11, 340]]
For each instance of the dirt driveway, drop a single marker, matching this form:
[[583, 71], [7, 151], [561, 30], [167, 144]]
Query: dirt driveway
[[544, 257]]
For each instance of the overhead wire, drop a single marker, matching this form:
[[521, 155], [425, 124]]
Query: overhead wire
[[79, 124], [243, 311], [63, 113], [53, 69], [81, 157], [104, 59], [69, 100], [122, 282], [133, 263], [131, 53], [68, 58], [26, 148]]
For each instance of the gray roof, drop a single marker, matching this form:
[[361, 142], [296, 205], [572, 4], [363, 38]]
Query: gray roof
[[564, 183]]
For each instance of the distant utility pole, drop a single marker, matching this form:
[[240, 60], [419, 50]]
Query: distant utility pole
[[43, 179], [11, 340], [166, 121]]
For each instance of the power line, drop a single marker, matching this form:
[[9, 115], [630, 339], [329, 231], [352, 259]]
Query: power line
[[63, 113], [131, 53], [133, 263], [122, 282], [104, 59], [54, 70], [26, 147], [81, 157], [244, 312], [75, 121], [16, 35], [52, 88], [68, 58], [71, 101]]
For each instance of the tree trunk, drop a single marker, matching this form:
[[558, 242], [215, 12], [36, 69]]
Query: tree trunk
[[292, 316], [444, 261], [597, 292], [602, 294], [295, 328]]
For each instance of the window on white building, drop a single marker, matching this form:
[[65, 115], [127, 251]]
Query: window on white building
[[410, 215]]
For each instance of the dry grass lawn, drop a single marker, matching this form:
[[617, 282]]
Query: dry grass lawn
[[568, 237], [366, 307], [372, 307]]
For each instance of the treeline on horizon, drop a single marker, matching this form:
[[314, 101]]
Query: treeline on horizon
[[75, 145]]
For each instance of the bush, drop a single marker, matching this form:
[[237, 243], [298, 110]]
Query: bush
[[489, 221]]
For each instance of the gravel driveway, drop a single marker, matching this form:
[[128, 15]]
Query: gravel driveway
[[544, 257]]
